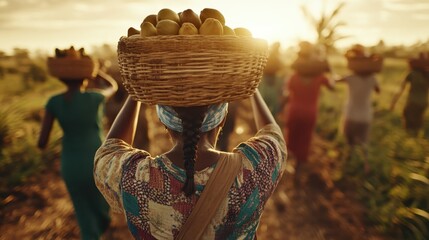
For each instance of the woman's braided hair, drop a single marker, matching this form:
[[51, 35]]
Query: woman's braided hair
[[191, 123]]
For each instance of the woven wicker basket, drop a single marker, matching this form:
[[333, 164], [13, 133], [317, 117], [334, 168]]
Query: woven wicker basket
[[310, 67], [69, 68], [191, 70], [365, 64], [419, 63]]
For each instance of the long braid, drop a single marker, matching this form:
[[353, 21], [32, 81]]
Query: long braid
[[191, 135]]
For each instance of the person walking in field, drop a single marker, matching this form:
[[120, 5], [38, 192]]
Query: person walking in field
[[271, 86], [358, 112], [79, 112], [418, 93], [303, 90]]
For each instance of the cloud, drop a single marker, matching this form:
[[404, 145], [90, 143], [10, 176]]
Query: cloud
[[29, 11], [74, 13]]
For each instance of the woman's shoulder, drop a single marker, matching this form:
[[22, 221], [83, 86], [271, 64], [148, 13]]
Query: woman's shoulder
[[56, 96], [268, 145], [55, 99]]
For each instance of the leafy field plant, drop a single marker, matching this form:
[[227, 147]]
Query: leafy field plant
[[395, 188], [20, 114], [19, 156]]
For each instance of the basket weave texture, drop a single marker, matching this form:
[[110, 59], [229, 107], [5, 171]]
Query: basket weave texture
[[70, 68], [365, 64], [191, 70]]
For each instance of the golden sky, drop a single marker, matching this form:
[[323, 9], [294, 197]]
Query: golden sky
[[46, 24]]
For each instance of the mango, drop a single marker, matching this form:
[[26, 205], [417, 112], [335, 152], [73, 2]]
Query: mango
[[72, 53], [60, 53], [228, 31], [150, 18], [212, 13], [167, 27], [188, 28], [211, 26], [190, 16], [147, 29], [169, 14], [244, 32], [132, 31]]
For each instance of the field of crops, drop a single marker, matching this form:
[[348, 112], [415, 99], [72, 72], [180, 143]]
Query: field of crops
[[393, 191]]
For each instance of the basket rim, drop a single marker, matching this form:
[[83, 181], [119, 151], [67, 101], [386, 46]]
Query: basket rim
[[196, 36]]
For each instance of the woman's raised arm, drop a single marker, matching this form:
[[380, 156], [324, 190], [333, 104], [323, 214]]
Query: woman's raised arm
[[261, 112], [125, 124]]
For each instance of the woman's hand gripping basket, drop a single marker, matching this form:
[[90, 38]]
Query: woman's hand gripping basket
[[191, 70]]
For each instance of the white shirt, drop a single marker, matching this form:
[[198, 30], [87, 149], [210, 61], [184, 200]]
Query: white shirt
[[359, 107]]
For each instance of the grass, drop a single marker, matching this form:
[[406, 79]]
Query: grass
[[21, 110], [395, 190]]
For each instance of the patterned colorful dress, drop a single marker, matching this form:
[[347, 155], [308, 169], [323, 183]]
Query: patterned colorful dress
[[148, 189], [302, 113]]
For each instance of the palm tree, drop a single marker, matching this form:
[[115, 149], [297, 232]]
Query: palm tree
[[326, 26]]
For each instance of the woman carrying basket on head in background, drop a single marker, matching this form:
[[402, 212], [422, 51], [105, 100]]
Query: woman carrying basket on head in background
[[79, 113], [358, 112], [192, 191], [417, 100], [303, 90]]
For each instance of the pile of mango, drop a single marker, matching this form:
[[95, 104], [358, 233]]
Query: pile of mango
[[70, 53], [167, 22]]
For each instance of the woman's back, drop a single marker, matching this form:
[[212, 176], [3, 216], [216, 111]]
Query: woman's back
[[79, 116], [150, 188], [419, 87], [304, 91]]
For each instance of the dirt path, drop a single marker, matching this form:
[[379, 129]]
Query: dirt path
[[315, 209]]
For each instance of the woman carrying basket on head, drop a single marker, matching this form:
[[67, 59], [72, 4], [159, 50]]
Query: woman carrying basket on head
[[79, 113], [192, 191], [418, 93], [303, 90]]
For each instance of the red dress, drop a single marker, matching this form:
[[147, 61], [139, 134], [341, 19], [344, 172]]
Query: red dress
[[302, 113]]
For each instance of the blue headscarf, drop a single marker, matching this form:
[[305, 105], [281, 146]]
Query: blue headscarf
[[214, 116]]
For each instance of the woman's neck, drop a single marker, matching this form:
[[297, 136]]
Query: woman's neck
[[206, 154], [75, 88]]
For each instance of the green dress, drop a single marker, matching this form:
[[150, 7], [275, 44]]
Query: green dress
[[80, 119]]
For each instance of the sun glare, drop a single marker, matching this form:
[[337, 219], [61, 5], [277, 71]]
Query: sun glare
[[272, 21]]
